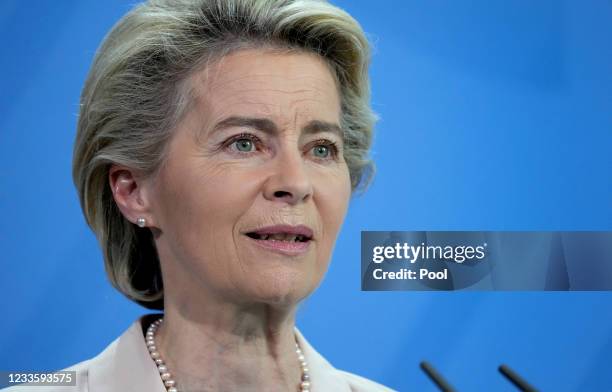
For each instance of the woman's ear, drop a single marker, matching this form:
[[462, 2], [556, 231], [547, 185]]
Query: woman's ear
[[131, 195]]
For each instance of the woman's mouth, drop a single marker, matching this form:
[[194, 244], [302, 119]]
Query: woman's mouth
[[290, 244], [279, 237]]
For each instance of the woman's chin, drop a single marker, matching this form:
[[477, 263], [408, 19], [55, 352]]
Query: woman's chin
[[283, 290]]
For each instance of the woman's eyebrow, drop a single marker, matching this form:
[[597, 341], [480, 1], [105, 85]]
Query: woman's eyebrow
[[269, 127], [263, 124], [317, 126]]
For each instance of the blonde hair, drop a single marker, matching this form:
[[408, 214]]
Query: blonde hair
[[136, 92]]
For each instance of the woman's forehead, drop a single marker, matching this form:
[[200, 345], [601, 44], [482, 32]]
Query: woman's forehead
[[268, 82], [257, 63]]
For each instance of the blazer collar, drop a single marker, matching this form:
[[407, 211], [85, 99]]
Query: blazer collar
[[323, 375], [130, 367], [126, 365]]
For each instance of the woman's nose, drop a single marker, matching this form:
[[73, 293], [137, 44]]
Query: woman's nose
[[289, 180]]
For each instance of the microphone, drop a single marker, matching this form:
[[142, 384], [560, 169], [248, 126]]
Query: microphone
[[516, 379], [436, 377]]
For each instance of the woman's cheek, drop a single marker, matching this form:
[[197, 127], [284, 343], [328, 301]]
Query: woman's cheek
[[334, 195]]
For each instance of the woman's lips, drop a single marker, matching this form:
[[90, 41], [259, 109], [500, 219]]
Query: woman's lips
[[289, 248]]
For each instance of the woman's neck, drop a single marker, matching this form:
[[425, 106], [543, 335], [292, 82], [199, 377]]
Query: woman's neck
[[223, 347]]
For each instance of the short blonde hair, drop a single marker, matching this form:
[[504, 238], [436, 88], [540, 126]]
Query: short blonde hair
[[136, 92]]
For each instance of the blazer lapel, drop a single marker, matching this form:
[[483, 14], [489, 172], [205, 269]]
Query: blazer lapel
[[126, 365], [324, 377]]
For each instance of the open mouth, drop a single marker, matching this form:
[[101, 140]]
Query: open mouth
[[286, 237]]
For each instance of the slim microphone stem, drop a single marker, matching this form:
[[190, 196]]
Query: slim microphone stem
[[436, 377], [516, 379]]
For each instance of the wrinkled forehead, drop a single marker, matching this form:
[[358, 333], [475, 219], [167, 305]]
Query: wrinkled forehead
[[284, 86]]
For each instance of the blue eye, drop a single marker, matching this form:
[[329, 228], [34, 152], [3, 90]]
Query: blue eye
[[244, 145], [325, 149], [321, 151]]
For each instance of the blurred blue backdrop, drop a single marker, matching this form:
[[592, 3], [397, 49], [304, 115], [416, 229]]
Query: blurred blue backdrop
[[494, 116]]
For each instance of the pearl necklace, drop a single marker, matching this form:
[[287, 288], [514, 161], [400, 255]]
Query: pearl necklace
[[169, 382]]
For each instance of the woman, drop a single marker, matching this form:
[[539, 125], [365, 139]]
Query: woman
[[218, 145]]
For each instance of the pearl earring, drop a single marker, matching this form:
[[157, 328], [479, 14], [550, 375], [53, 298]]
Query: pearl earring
[[141, 222]]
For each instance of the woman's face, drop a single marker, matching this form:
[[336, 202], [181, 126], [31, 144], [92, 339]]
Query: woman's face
[[260, 147]]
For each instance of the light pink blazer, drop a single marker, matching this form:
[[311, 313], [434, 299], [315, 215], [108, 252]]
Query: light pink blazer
[[125, 366]]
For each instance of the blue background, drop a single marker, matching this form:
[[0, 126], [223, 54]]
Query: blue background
[[494, 116]]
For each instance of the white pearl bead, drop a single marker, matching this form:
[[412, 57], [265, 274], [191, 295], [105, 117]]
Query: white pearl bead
[[169, 383], [172, 389], [159, 361], [305, 384], [162, 368], [154, 355], [166, 376]]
